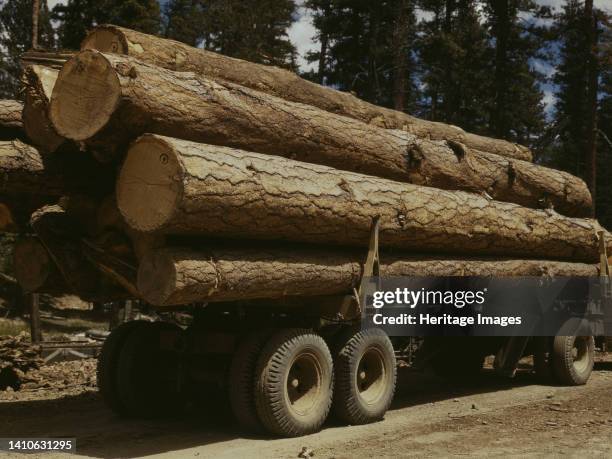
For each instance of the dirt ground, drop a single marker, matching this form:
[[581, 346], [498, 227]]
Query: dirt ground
[[429, 418]]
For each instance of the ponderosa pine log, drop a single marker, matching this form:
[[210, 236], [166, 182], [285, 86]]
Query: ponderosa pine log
[[28, 182], [282, 83], [175, 276], [11, 124], [106, 100], [35, 271], [38, 84], [211, 190]]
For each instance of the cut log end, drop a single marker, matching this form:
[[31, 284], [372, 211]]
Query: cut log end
[[33, 266], [85, 96], [156, 277], [106, 39], [150, 184]]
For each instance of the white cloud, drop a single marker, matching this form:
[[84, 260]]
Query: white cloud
[[52, 3], [302, 33]]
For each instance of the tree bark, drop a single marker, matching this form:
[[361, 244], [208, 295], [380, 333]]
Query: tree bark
[[35, 271], [38, 83], [174, 276], [126, 98], [592, 93], [35, 14], [11, 125], [282, 83], [223, 192]]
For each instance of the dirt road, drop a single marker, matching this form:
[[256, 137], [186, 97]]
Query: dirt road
[[429, 418]]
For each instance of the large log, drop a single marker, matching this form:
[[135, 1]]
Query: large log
[[35, 271], [11, 125], [282, 83], [218, 191], [38, 84], [28, 182], [175, 276], [106, 100]]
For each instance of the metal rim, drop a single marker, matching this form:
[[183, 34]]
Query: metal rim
[[371, 376], [303, 384], [580, 353]]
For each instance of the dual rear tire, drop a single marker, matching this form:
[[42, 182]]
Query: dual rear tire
[[138, 370], [290, 388]]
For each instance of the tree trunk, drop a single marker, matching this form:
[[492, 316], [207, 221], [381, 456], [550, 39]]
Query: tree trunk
[[126, 98], [223, 192], [401, 34], [174, 276], [502, 31], [281, 83], [592, 90], [35, 271], [35, 14], [39, 82], [11, 125]]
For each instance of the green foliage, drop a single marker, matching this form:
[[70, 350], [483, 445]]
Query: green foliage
[[370, 48], [16, 38], [255, 30], [456, 58], [185, 21], [76, 17]]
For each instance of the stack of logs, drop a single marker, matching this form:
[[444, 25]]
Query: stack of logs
[[175, 175]]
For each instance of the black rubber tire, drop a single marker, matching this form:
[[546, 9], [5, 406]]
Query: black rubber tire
[[108, 360], [148, 378], [242, 379], [573, 368], [288, 354], [351, 405]]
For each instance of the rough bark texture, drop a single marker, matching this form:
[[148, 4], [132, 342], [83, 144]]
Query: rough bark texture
[[282, 83], [208, 190], [134, 98], [174, 276], [11, 125], [25, 171], [38, 83], [35, 271]]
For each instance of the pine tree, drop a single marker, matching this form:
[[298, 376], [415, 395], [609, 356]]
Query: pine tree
[[255, 31], [517, 112], [16, 38], [455, 55], [185, 21], [368, 49], [76, 17]]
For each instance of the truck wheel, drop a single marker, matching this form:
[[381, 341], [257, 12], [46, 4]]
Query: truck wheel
[[573, 358], [106, 374], [148, 376], [366, 372], [294, 383], [241, 380]]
